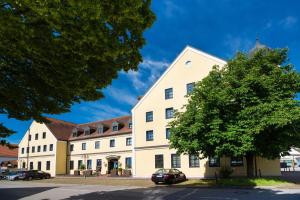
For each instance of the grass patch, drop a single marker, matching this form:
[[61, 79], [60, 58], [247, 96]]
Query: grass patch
[[236, 182]]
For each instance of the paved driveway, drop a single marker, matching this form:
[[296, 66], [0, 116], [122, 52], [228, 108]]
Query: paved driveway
[[21, 190]]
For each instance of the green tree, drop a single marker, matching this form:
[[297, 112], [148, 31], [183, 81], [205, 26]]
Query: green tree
[[59, 52], [247, 108]]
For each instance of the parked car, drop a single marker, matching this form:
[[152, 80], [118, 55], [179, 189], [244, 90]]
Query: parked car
[[168, 176], [13, 176], [34, 174]]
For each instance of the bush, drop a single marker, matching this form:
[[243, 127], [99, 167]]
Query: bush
[[225, 172]]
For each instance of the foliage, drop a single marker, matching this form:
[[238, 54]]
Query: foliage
[[56, 53], [225, 172], [246, 108], [82, 167]]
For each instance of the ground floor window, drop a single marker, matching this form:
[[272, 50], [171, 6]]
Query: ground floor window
[[159, 161], [214, 161], [236, 161], [175, 161], [24, 165], [194, 161], [31, 165], [48, 165], [128, 163], [71, 164], [39, 166], [79, 164], [98, 165], [89, 164]]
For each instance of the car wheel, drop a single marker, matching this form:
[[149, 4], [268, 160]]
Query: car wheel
[[156, 183], [30, 178], [48, 177]]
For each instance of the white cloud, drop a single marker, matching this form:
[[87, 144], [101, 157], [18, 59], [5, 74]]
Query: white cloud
[[97, 111], [238, 43], [288, 22], [171, 9], [122, 96], [149, 71]]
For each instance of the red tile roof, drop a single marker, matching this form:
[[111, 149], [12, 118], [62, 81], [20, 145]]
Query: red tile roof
[[7, 152], [62, 130]]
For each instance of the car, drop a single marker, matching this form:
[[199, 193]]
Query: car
[[13, 176], [168, 176], [34, 174]]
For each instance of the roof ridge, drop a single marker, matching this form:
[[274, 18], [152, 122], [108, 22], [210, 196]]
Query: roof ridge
[[64, 121], [110, 119]]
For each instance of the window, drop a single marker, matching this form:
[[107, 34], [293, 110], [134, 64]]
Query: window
[[39, 167], [168, 134], [130, 125], [74, 133], [236, 161], [71, 147], [83, 146], [169, 93], [22, 150], [112, 143], [149, 116], [100, 128], [32, 149], [98, 163], [79, 164], [194, 161], [149, 135], [214, 161], [27, 150], [97, 144], [128, 163], [188, 63], [51, 147], [29, 137], [115, 126], [44, 135], [128, 141], [89, 164], [45, 148], [48, 165], [87, 131], [39, 148], [175, 161], [159, 161], [36, 137], [24, 165], [31, 165], [169, 113], [71, 164], [189, 87]]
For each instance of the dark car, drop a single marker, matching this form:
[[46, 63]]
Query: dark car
[[34, 174], [168, 176]]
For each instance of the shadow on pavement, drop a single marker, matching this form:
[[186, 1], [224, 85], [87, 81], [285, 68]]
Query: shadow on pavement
[[17, 193], [191, 194]]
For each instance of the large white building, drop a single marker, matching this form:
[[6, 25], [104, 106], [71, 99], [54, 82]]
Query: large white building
[[141, 143]]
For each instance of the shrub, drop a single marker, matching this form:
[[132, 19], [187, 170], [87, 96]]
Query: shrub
[[225, 172]]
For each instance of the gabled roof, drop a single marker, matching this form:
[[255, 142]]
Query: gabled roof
[[7, 152], [187, 48], [59, 128]]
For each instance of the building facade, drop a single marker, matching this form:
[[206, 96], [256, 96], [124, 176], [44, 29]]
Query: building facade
[[141, 143]]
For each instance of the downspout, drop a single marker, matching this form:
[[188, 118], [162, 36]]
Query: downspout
[[27, 149]]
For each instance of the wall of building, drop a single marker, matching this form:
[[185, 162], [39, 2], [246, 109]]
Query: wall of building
[[43, 156], [121, 151]]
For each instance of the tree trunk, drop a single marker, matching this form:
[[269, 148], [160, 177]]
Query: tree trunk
[[250, 163]]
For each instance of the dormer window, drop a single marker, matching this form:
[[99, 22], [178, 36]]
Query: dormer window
[[130, 124], [74, 132], [115, 126], [87, 131], [100, 128]]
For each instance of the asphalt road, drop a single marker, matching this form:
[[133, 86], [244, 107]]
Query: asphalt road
[[32, 191]]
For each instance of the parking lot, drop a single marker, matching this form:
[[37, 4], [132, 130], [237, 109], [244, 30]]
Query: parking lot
[[31, 190]]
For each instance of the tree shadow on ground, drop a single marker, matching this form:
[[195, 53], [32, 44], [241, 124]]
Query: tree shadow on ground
[[172, 193], [17, 193]]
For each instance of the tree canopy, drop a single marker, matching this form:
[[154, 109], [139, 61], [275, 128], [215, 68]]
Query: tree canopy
[[56, 53], [246, 108]]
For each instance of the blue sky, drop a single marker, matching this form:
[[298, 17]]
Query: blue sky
[[219, 27]]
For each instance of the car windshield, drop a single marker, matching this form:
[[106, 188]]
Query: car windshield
[[12, 173], [162, 171]]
